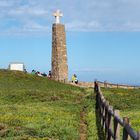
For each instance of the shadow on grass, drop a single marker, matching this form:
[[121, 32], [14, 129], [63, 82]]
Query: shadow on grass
[[100, 131]]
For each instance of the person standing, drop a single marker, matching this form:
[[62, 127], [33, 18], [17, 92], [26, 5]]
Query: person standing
[[50, 75], [73, 78], [76, 79]]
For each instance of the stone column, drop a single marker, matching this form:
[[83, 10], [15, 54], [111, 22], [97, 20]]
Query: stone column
[[59, 53]]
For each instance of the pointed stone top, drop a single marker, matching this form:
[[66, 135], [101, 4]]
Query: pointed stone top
[[57, 16]]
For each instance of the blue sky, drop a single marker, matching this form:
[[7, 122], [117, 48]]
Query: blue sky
[[103, 37]]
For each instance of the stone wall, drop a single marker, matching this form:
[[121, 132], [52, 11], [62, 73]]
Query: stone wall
[[59, 53], [107, 85]]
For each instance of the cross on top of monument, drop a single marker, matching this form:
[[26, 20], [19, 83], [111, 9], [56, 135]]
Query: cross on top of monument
[[57, 16]]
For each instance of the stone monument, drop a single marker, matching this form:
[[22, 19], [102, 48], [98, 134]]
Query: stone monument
[[59, 51]]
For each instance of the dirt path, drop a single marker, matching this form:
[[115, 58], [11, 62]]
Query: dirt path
[[83, 125]]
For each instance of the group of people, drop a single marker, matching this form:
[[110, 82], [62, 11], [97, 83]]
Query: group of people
[[34, 72], [74, 79]]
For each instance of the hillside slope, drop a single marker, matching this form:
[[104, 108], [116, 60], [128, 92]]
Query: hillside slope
[[33, 107]]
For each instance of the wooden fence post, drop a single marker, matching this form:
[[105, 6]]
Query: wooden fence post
[[105, 84], [96, 91], [138, 135], [109, 122], [125, 134], [100, 107], [103, 113], [106, 117], [116, 125]]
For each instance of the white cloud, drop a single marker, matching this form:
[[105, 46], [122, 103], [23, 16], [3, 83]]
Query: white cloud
[[32, 26], [4, 4], [83, 26], [133, 26], [28, 11], [79, 15]]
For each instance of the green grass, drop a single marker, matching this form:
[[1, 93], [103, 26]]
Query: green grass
[[127, 101], [36, 108]]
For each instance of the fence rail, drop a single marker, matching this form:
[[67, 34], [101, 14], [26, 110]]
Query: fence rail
[[110, 120]]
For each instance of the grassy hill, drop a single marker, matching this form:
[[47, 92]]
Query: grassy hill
[[36, 108], [127, 101]]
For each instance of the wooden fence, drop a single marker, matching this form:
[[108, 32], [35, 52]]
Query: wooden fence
[[110, 120]]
